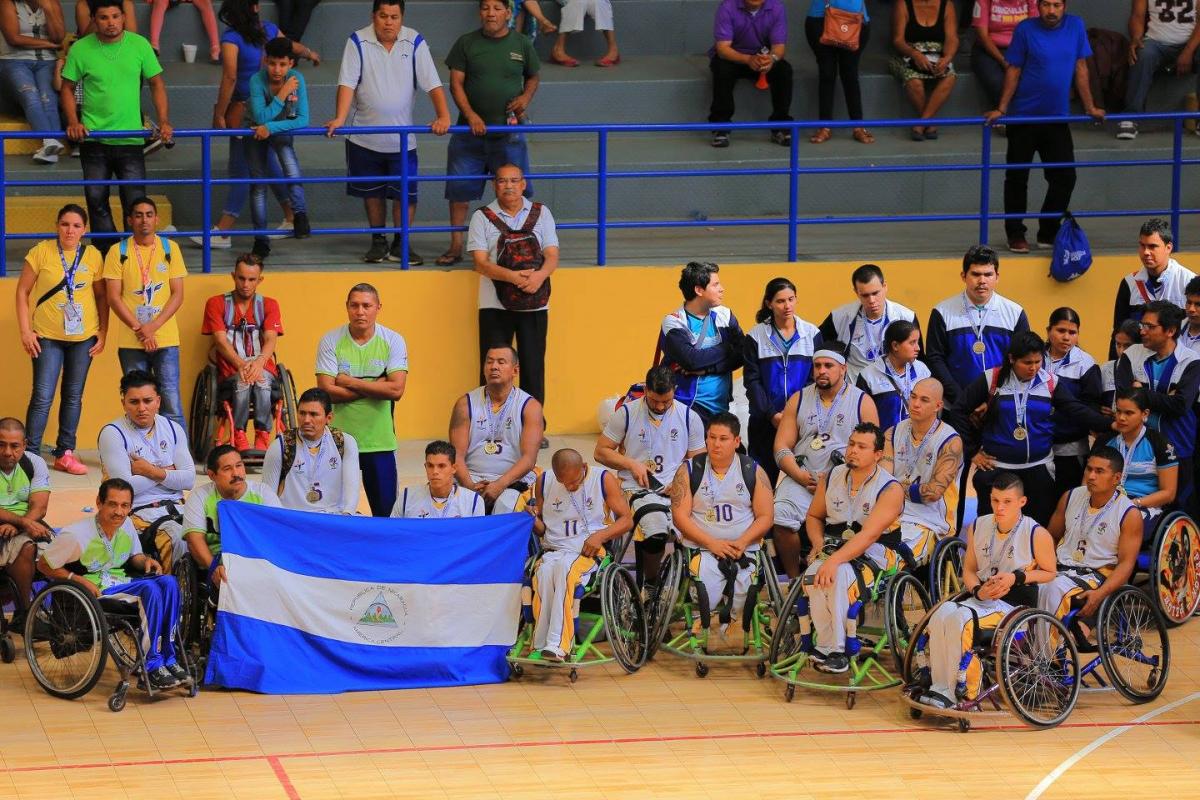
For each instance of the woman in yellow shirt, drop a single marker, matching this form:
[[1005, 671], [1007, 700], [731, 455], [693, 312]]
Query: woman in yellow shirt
[[62, 312]]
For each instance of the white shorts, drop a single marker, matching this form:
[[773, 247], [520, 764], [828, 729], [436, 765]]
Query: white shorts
[[573, 12], [791, 504]]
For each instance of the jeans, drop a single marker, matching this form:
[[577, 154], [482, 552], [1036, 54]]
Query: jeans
[[990, 73], [293, 16], [1052, 143], [258, 154], [32, 83], [71, 360], [239, 167], [263, 418], [1152, 57], [102, 162], [834, 62], [468, 154], [163, 364], [726, 74]]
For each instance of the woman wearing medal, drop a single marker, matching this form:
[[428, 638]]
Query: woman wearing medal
[[891, 377], [62, 313], [1022, 405], [1151, 468], [1076, 372], [778, 353]]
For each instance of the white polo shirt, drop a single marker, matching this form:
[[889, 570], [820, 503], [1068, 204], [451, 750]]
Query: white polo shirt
[[385, 84], [483, 235]]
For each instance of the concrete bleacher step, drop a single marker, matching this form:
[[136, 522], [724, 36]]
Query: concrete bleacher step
[[17, 147], [35, 213]]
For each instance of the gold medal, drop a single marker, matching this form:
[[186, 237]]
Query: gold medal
[[817, 443], [1019, 433], [651, 465], [979, 347], [491, 448], [313, 496]]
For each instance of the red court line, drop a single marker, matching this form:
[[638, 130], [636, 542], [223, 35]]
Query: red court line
[[284, 780], [275, 759]]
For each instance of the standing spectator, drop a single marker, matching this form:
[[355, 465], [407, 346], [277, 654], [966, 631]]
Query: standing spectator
[[1161, 277], [61, 330], [278, 104], [750, 40], [514, 295], [144, 282], [158, 11], [702, 342], [84, 24], [572, 22], [994, 21], [861, 323], [364, 368], [493, 77], [834, 62], [294, 16], [926, 53], [1045, 56], [383, 66], [31, 32], [1167, 37], [111, 63]]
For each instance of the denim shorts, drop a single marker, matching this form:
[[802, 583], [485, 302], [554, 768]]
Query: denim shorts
[[364, 161], [482, 155]]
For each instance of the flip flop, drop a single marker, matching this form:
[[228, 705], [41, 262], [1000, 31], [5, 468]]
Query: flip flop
[[448, 259], [564, 62], [608, 62]]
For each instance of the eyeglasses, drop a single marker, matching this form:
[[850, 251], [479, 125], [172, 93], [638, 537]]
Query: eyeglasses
[[1148, 325]]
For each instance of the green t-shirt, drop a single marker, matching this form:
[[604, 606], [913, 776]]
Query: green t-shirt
[[496, 70], [200, 510], [368, 420], [112, 75], [16, 487], [104, 560]]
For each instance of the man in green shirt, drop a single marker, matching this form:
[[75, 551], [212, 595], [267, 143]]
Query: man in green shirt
[[24, 497], [493, 77], [111, 63]]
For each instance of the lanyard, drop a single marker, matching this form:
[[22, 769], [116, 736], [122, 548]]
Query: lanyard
[[1021, 401], [1128, 451], [69, 273], [824, 422], [977, 328], [110, 555], [698, 340], [311, 461], [783, 347], [655, 432], [903, 386], [9, 495], [1053, 367], [910, 465], [874, 330], [440, 513], [580, 507], [494, 419], [144, 269], [994, 557], [852, 496], [1091, 525]]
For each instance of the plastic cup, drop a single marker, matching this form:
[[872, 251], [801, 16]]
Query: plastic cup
[[189, 53]]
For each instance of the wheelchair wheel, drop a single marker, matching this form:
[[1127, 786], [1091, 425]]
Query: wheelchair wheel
[[770, 580], [1037, 666], [624, 617], [1175, 567], [786, 641], [914, 668], [945, 568], [287, 409], [1134, 647], [204, 406], [122, 644], [187, 575], [905, 605], [65, 635], [660, 606]]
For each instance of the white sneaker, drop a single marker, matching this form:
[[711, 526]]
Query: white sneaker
[[1127, 130], [53, 146], [286, 226], [44, 155], [215, 242]]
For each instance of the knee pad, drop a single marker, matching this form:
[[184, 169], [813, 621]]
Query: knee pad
[[651, 515], [653, 546]]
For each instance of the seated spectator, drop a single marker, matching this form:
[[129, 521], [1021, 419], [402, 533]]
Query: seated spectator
[[31, 31], [314, 467], [925, 36], [750, 41], [440, 497], [62, 313], [84, 24], [529, 19], [572, 21], [22, 512], [158, 10], [1166, 37], [994, 21], [278, 104], [245, 326]]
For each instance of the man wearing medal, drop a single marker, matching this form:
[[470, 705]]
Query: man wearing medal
[[1160, 277], [646, 441], [861, 324], [499, 427], [143, 278], [1099, 533], [926, 455], [440, 497], [322, 472], [814, 429], [24, 498]]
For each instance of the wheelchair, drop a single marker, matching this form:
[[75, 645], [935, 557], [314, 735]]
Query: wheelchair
[[896, 601], [1169, 566], [611, 611], [70, 635], [198, 612], [210, 421], [679, 615]]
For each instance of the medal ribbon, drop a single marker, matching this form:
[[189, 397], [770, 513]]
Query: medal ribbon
[[853, 496], [110, 556], [144, 269], [976, 328], [580, 509], [311, 461], [69, 273], [1091, 525], [910, 466], [824, 422], [495, 419], [1021, 401], [994, 557]]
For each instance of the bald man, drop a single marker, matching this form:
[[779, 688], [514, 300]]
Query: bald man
[[569, 516], [926, 456]]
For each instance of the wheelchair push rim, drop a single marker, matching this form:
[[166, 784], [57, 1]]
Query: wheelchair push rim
[[200, 422], [288, 415], [65, 640], [1134, 647], [1175, 568], [660, 606], [905, 607], [624, 617], [1037, 668], [945, 568]]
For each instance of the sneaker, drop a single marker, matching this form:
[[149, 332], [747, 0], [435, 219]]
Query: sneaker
[[415, 259], [17, 623], [216, 241], [550, 655], [45, 155], [69, 464], [261, 248], [1017, 244], [1039, 244], [161, 680], [286, 226], [178, 673], [262, 440], [301, 229], [378, 251], [240, 442], [835, 663], [720, 139], [1127, 130], [936, 699], [782, 138]]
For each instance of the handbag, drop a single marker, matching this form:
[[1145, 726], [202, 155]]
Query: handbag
[[842, 28]]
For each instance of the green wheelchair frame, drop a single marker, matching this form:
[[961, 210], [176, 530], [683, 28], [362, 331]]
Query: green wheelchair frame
[[896, 589], [621, 622]]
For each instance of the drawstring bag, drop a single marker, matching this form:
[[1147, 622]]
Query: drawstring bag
[[1072, 254]]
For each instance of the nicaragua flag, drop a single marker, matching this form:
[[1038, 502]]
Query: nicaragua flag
[[320, 603]]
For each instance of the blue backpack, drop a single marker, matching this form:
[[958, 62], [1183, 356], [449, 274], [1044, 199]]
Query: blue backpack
[[1072, 254]]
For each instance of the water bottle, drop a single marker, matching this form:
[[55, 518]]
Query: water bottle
[[289, 106]]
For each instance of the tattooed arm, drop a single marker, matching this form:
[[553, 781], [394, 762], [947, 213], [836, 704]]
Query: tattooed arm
[[888, 462], [945, 470]]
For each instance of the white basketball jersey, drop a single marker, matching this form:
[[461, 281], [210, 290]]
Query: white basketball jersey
[[914, 463], [495, 443], [995, 553], [723, 506], [840, 507], [1092, 534], [570, 517], [662, 443], [831, 426], [156, 444], [415, 502]]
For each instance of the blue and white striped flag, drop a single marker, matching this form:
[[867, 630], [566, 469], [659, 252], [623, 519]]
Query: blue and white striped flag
[[318, 603]]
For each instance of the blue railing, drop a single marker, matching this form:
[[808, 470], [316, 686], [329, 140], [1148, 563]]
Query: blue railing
[[603, 175]]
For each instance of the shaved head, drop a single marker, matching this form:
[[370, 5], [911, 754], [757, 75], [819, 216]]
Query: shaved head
[[925, 402], [565, 459], [931, 385]]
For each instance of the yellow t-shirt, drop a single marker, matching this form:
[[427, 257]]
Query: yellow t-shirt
[[48, 318], [151, 293]]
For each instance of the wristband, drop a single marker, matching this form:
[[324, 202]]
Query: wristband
[[781, 454], [1019, 576], [914, 492], [975, 591]]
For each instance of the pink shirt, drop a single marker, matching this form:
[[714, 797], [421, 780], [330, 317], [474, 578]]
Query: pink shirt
[[999, 17]]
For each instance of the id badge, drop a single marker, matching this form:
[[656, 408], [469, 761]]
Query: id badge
[[72, 319], [146, 314]]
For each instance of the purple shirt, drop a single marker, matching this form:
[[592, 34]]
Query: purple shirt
[[750, 33]]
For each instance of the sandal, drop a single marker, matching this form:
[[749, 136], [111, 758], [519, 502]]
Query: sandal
[[565, 61], [448, 259], [863, 135], [821, 136], [917, 134], [931, 133], [609, 62]]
